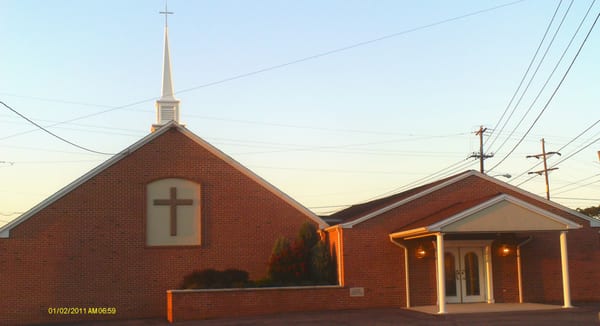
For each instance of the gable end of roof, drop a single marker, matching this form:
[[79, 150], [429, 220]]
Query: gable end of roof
[[5, 230], [593, 222]]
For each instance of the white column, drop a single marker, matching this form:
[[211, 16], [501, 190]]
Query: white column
[[489, 271], [564, 263], [519, 274], [441, 276]]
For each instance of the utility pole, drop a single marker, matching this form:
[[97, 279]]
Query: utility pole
[[545, 170], [481, 156]]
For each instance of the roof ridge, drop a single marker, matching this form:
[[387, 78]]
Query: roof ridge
[[372, 205]]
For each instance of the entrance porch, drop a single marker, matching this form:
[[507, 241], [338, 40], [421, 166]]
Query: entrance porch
[[464, 256]]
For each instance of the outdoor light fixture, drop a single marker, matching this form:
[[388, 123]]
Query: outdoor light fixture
[[504, 251], [421, 253]]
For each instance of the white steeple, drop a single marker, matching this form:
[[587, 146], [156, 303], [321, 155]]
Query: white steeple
[[167, 107]]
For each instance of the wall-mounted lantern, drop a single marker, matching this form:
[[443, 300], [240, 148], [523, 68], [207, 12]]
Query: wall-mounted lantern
[[421, 252], [504, 250]]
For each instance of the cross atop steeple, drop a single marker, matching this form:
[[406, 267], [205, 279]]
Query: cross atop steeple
[[166, 13], [167, 107]]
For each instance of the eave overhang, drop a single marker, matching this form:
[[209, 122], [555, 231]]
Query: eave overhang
[[503, 213]]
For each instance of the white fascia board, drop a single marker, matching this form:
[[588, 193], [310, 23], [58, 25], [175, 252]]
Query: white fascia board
[[256, 178], [437, 227], [401, 202], [410, 233], [5, 230], [593, 221]]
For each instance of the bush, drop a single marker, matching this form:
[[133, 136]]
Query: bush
[[308, 235], [322, 266], [286, 264], [213, 279], [306, 261]]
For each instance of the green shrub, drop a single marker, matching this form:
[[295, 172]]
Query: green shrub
[[322, 267], [308, 235], [213, 279], [286, 264], [306, 261]]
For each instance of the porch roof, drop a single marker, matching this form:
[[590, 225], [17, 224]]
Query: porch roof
[[500, 213]]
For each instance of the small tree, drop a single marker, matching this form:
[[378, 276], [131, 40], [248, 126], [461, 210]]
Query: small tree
[[322, 267], [306, 260], [282, 261], [308, 234]]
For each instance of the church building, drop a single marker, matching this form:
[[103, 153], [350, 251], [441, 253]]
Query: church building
[[134, 226], [119, 240]]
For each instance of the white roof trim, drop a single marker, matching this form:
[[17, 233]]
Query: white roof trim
[[5, 230], [405, 200], [593, 222], [437, 227], [409, 233], [247, 172]]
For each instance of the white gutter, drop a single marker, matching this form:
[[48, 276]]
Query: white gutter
[[407, 281], [519, 273]]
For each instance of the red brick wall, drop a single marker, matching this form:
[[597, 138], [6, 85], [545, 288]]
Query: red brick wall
[[370, 260], [542, 280], [504, 273], [209, 304], [421, 272], [88, 248], [373, 262]]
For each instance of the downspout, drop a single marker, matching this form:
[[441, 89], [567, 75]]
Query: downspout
[[407, 282], [519, 273], [340, 261]]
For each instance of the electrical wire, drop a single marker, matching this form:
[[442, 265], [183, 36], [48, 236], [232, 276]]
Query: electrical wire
[[51, 133], [263, 70], [541, 90], [460, 165], [493, 131], [551, 96], [577, 152], [579, 186], [559, 150], [585, 199], [352, 46]]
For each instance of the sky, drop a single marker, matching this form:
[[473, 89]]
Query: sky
[[333, 102]]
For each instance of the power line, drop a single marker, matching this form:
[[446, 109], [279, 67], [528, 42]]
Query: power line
[[579, 186], [541, 90], [551, 96], [577, 182], [460, 165], [79, 118], [263, 70], [352, 46], [560, 149], [545, 171], [51, 133], [574, 198], [481, 154], [577, 152], [566, 158], [522, 80]]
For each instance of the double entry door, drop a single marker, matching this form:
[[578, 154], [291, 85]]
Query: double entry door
[[465, 278]]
